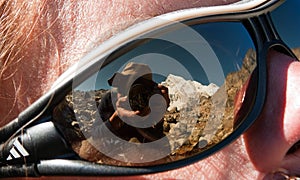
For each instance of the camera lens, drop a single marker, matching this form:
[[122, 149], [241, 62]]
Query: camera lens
[[139, 96]]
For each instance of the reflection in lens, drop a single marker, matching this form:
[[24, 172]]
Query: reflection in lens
[[171, 97], [286, 19]]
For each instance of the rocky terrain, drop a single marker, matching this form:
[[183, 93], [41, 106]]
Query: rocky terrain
[[208, 116], [198, 117]]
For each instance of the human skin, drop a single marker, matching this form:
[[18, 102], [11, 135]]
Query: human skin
[[80, 26]]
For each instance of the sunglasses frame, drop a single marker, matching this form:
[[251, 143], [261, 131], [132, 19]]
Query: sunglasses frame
[[256, 20]]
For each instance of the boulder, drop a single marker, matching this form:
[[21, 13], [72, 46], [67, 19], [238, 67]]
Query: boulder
[[184, 93]]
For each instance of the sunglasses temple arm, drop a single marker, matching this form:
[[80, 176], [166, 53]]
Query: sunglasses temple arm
[[19, 171], [64, 167], [25, 117], [42, 141]]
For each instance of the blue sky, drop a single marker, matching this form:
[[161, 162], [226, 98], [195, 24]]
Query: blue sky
[[205, 53], [287, 21]]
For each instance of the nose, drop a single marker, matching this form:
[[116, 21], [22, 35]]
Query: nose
[[271, 140]]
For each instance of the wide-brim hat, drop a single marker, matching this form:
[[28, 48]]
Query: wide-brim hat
[[131, 72]]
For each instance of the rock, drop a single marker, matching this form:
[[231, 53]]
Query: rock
[[182, 92], [186, 97], [202, 143]]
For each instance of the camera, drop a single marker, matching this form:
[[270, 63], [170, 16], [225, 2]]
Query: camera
[[140, 93]]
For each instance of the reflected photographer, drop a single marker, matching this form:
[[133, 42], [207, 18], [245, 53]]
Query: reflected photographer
[[130, 99]]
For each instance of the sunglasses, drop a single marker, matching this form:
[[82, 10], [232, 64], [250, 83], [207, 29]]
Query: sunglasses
[[163, 94]]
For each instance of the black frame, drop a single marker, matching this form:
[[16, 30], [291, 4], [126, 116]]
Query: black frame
[[258, 23]]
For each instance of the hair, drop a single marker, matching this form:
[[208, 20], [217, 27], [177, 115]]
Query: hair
[[23, 27], [20, 21]]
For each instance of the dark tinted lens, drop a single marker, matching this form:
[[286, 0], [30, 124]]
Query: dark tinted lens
[[286, 19], [203, 73]]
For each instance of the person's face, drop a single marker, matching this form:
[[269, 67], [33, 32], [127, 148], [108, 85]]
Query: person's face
[[262, 150]]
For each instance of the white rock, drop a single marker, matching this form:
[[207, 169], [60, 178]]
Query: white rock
[[186, 93]]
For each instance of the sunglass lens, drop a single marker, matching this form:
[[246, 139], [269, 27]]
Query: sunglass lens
[[196, 96], [286, 19]]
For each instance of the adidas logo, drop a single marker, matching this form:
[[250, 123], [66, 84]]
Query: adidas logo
[[17, 151]]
